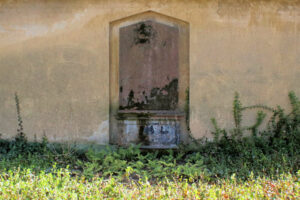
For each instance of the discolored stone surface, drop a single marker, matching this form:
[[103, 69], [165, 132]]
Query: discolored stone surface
[[148, 67], [156, 132], [160, 133]]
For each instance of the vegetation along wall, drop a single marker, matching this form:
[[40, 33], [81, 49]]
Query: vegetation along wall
[[60, 57]]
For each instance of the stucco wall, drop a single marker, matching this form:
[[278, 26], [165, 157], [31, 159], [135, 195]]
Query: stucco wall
[[55, 55]]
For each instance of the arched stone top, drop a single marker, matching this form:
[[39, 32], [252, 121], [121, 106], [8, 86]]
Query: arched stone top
[[149, 15]]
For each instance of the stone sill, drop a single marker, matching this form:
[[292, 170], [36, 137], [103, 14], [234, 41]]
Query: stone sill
[[146, 114]]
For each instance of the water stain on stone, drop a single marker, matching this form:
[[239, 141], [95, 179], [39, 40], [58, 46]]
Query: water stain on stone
[[165, 98], [143, 33], [143, 138]]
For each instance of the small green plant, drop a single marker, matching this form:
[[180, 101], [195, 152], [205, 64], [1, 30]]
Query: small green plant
[[20, 137], [284, 128], [237, 114], [237, 133], [218, 131], [259, 119]]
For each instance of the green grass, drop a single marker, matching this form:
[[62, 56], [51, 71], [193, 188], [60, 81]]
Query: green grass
[[37, 171], [62, 184]]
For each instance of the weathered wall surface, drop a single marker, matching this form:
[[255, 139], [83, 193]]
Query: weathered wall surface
[[55, 55]]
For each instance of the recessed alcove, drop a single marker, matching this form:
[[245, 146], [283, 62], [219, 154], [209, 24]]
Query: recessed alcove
[[149, 77]]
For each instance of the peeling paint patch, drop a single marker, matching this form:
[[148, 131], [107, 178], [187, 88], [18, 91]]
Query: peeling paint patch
[[101, 135]]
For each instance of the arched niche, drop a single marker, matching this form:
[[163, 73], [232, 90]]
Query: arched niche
[[149, 77]]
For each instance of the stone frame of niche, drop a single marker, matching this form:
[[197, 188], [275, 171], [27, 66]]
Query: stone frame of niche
[[183, 70]]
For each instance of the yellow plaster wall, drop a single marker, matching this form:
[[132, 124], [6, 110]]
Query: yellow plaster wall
[[55, 55]]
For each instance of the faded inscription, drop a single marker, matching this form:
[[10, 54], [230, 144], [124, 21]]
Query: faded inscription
[[152, 133]]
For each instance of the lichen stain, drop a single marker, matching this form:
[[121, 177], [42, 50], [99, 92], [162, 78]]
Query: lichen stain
[[165, 98], [101, 135], [143, 33]]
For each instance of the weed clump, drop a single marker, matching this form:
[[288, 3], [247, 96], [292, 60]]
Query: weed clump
[[264, 153]]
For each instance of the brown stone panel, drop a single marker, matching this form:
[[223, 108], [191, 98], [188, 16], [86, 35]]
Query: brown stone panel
[[148, 66]]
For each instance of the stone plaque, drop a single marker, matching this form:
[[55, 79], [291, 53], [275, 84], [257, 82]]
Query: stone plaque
[[161, 133], [148, 66], [154, 133]]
